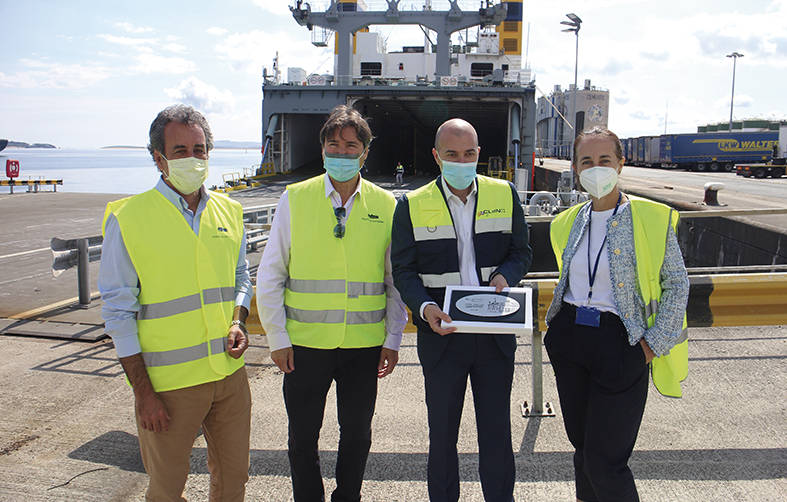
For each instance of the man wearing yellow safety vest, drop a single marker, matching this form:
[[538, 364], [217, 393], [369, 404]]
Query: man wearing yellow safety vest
[[461, 229], [328, 305], [176, 290], [618, 307]]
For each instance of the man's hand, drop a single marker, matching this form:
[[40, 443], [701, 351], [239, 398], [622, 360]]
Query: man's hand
[[649, 354], [434, 316], [284, 359], [388, 360], [499, 282], [237, 342], [152, 412]]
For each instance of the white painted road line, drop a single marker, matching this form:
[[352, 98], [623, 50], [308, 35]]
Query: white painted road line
[[21, 253]]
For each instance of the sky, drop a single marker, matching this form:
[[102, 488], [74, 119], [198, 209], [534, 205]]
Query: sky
[[86, 74]]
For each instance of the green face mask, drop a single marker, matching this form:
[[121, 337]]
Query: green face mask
[[187, 175]]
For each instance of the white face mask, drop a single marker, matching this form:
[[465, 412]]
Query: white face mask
[[599, 180], [188, 174]]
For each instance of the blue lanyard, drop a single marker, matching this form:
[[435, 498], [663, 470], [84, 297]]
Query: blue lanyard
[[592, 274]]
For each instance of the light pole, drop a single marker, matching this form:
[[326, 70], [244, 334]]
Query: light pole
[[734, 56], [574, 23]]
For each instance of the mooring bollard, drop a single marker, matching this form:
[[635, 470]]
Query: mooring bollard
[[712, 193]]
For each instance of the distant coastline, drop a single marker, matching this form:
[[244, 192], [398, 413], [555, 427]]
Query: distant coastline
[[22, 144]]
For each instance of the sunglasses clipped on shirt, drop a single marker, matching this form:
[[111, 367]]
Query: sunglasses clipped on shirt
[[338, 230]]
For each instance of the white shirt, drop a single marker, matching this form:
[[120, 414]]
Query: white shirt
[[273, 272], [462, 214], [578, 279]]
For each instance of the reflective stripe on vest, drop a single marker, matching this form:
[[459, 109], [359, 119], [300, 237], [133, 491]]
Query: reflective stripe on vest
[[186, 297], [440, 280], [436, 232], [493, 225], [353, 289], [186, 354], [335, 294], [650, 240], [185, 304]]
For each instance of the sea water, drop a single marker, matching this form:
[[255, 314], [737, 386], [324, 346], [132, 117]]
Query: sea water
[[113, 171]]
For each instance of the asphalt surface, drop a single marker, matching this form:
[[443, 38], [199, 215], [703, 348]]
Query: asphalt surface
[[68, 433], [67, 412]]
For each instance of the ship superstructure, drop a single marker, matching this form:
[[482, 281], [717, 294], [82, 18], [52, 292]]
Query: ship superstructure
[[407, 93]]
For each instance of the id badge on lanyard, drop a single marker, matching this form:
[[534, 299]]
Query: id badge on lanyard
[[587, 315]]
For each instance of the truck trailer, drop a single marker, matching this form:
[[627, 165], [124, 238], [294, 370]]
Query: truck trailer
[[716, 151], [774, 168]]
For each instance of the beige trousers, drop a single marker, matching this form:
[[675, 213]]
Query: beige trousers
[[223, 410]]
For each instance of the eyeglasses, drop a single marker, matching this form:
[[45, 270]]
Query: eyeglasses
[[338, 230]]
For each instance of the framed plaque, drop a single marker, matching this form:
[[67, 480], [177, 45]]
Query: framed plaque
[[479, 309]]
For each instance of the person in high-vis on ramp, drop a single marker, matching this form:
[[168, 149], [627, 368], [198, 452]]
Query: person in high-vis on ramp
[[618, 309], [329, 307], [176, 290]]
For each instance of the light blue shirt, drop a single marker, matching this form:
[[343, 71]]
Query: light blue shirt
[[118, 281]]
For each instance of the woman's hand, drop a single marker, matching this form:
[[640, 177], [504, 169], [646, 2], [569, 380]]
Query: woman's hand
[[649, 354]]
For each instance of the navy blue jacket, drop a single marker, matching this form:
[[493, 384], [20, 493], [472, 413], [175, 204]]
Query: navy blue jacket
[[513, 251]]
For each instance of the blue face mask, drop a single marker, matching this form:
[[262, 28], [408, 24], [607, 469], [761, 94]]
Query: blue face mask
[[342, 167], [459, 174]]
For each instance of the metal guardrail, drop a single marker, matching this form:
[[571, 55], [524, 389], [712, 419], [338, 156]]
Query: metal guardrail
[[69, 253], [714, 300], [31, 184], [76, 253]]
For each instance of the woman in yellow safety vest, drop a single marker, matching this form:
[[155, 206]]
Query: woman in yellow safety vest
[[618, 309]]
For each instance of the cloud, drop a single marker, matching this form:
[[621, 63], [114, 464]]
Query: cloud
[[621, 100], [147, 55], [640, 115], [250, 51], [741, 101], [130, 28], [174, 47], [137, 43], [281, 8], [201, 95], [215, 30], [47, 75], [656, 56], [154, 63], [716, 45], [614, 67]]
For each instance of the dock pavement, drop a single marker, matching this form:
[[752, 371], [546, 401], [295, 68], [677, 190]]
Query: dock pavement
[[68, 433]]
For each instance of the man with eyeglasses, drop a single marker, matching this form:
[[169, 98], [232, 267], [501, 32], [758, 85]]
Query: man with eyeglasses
[[461, 229], [329, 307]]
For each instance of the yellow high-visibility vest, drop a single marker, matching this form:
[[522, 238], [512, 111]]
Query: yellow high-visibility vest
[[335, 291], [186, 285], [432, 224], [650, 244]]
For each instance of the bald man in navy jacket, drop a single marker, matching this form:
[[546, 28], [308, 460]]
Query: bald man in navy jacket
[[421, 270]]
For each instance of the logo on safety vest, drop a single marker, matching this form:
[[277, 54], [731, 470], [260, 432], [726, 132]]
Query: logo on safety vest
[[222, 229], [371, 218], [486, 212]]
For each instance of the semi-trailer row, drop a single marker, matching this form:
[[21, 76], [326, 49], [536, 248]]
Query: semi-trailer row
[[717, 151]]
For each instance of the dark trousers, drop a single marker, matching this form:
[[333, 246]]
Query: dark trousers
[[491, 374], [305, 390], [602, 382]]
